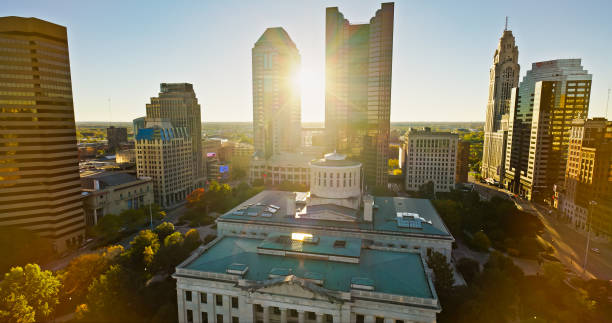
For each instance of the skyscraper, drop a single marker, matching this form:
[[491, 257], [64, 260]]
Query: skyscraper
[[177, 103], [503, 76], [277, 114], [550, 96], [358, 60], [116, 137], [40, 187]]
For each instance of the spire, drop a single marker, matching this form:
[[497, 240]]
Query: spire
[[506, 27]]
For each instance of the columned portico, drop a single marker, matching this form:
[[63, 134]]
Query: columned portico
[[283, 315], [301, 316]]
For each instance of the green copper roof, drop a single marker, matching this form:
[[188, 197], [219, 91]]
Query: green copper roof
[[323, 246], [398, 273], [385, 215]]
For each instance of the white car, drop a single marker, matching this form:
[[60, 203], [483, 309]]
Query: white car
[[595, 250]]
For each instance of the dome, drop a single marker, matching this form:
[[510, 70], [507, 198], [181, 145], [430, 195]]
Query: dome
[[335, 160]]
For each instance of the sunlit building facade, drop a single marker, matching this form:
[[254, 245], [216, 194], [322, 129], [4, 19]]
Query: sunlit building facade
[[550, 96], [588, 177], [177, 103], [358, 61], [503, 76], [40, 189], [277, 113]]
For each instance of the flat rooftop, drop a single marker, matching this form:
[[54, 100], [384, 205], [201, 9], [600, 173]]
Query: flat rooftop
[[397, 273], [386, 211]]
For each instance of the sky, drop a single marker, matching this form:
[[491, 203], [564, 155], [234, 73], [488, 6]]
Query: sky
[[121, 50]]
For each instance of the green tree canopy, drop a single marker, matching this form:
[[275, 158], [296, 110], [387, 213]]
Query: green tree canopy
[[143, 249], [28, 294], [164, 229], [443, 273]]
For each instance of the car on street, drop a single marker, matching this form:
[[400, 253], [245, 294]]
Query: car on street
[[595, 250]]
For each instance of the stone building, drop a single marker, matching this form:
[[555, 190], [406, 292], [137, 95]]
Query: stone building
[[113, 193], [463, 162], [358, 66], [115, 137], [430, 157], [503, 76], [588, 177], [329, 255], [40, 189], [164, 154]]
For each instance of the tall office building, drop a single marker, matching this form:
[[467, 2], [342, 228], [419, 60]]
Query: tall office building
[[277, 114], [463, 161], [40, 187], [503, 76], [550, 96], [138, 123], [430, 157], [588, 177], [116, 137], [358, 60], [164, 154], [177, 103]]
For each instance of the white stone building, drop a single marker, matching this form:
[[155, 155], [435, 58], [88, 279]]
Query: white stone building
[[329, 255], [430, 157]]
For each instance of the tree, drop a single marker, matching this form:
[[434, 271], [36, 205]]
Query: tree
[[192, 239], [481, 242], [469, 268], [28, 294], [554, 273], [427, 191], [171, 253], [164, 229], [443, 273], [143, 249], [111, 297]]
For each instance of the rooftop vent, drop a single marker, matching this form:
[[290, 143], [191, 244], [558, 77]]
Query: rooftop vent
[[237, 269], [339, 243], [279, 272], [362, 283]]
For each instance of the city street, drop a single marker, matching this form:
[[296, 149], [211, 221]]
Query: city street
[[569, 246]]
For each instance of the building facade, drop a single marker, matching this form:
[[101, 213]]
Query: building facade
[[358, 64], [503, 76], [164, 154], [463, 161], [277, 114], [284, 168], [588, 177], [430, 157], [116, 137], [113, 193], [40, 189], [329, 255], [138, 123], [177, 103], [550, 96]]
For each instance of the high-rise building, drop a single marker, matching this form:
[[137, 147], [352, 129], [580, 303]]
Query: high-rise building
[[138, 123], [503, 76], [40, 187], [550, 96], [430, 157], [358, 60], [177, 103], [116, 137], [164, 154], [277, 111], [463, 161], [588, 177]]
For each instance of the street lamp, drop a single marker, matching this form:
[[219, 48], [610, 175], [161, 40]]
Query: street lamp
[[586, 253]]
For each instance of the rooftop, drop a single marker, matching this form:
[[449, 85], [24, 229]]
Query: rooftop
[[335, 159], [397, 273], [385, 217], [107, 179]]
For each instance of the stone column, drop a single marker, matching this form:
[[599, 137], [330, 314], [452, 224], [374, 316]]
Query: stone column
[[389, 320], [337, 319], [180, 304], [301, 317], [283, 315], [320, 318], [369, 319], [266, 314]]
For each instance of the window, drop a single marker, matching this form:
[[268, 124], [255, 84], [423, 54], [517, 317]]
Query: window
[[359, 318], [219, 300], [219, 318], [235, 319], [311, 315], [234, 302], [328, 318], [380, 320], [188, 295], [203, 298], [189, 316], [258, 308], [204, 317]]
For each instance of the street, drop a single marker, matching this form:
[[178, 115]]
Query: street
[[569, 245]]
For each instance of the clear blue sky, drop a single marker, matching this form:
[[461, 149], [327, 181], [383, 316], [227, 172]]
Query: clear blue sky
[[441, 57]]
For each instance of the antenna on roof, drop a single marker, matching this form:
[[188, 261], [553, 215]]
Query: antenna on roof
[[506, 27], [608, 102], [110, 114]]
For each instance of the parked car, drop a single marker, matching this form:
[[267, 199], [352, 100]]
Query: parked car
[[595, 250]]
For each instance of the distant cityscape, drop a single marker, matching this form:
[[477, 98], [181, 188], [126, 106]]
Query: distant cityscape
[[354, 219]]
